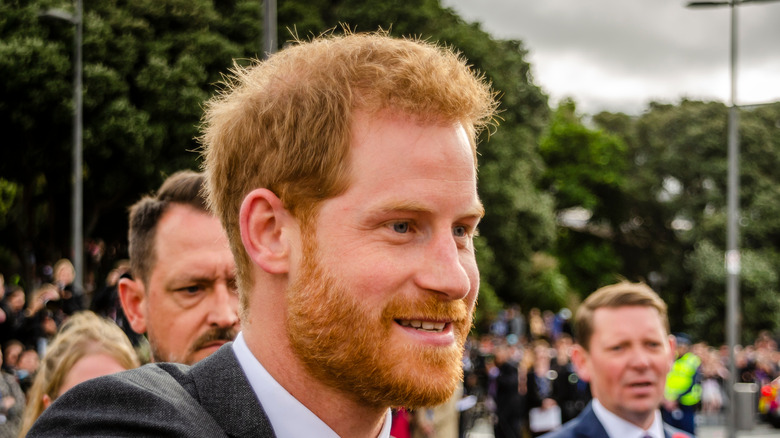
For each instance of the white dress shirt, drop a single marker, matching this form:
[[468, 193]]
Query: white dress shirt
[[617, 427], [289, 417]]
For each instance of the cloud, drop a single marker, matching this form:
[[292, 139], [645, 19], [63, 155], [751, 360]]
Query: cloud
[[618, 55]]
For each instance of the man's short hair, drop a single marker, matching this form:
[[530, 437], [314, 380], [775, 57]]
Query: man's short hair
[[285, 124], [613, 296], [185, 188]]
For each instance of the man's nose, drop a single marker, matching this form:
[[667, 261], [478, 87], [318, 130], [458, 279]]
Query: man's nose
[[442, 269], [224, 307], [640, 358]]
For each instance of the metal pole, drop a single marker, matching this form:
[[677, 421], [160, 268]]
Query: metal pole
[[78, 207], [269, 27], [733, 265]]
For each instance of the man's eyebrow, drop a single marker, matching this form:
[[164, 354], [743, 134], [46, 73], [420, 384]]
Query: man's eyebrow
[[477, 210], [407, 206], [186, 278]]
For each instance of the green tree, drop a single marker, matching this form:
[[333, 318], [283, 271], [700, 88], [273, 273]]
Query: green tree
[[585, 171], [148, 66], [673, 235]]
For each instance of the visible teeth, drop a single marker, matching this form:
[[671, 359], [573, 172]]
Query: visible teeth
[[423, 325]]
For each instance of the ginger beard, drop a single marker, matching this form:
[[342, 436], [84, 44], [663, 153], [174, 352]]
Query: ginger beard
[[352, 348]]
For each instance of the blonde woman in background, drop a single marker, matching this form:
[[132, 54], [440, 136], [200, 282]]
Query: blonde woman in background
[[86, 347]]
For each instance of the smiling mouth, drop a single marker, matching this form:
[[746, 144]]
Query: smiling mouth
[[426, 326]]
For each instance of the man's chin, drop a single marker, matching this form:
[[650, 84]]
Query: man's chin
[[422, 376]]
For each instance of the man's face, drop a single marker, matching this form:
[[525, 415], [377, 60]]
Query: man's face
[[190, 306], [64, 275], [630, 354], [16, 301], [382, 302], [12, 353], [29, 361]]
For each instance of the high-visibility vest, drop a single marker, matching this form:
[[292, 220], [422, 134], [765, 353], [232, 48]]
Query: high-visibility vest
[[680, 384]]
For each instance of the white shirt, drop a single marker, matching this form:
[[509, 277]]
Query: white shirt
[[289, 417], [617, 427]]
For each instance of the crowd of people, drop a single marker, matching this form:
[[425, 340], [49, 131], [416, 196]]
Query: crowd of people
[[50, 343], [517, 368], [520, 366]]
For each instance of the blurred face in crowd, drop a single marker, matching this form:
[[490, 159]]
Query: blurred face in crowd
[[563, 347], [16, 300], [12, 352], [190, 306], [64, 275], [28, 361], [382, 302], [627, 360], [542, 356]]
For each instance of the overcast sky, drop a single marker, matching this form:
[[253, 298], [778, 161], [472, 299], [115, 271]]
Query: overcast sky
[[618, 55]]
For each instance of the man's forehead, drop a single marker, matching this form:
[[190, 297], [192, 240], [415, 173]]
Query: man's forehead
[[367, 123], [188, 235], [603, 317], [184, 224]]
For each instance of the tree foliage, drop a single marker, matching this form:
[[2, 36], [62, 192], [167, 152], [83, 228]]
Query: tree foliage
[[148, 66], [644, 198], [675, 213], [585, 172]]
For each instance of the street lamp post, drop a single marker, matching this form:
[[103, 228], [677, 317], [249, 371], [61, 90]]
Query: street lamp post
[[77, 235], [269, 27], [732, 258]]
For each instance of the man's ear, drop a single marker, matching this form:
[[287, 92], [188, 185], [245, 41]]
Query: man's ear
[[672, 349], [133, 298], [265, 230], [579, 357]]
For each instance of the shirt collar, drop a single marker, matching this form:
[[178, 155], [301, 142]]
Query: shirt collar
[[288, 416], [618, 427]]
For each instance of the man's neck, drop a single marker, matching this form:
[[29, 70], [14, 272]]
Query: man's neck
[[340, 411]]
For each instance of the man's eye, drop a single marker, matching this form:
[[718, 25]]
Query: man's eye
[[401, 227], [232, 285], [460, 231], [191, 289]]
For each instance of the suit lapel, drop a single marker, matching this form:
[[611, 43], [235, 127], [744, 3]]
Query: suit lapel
[[589, 425], [226, 394]]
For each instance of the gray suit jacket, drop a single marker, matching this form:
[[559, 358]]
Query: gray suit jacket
[[210, 399], [587, 425]]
